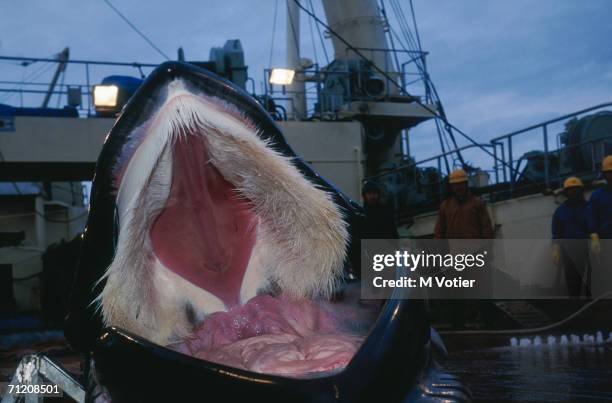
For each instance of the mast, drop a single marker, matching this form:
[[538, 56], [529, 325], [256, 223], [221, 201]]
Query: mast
[[297, 89], [360, 24], [62, 58]]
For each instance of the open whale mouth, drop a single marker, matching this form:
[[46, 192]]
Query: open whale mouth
[[225, 251], [213, 256]]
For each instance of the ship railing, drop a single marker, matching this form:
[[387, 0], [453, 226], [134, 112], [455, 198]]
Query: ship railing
[[412, 171], [91, 72], [402, 67], [401, 70], [326, 103], [279, 99], [507, 167], [497, 183], [582, 159]]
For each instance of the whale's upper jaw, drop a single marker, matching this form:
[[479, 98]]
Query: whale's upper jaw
[[209, 216], [171, 83]]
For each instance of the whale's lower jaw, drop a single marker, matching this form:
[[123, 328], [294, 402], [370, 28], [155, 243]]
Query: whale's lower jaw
[[210, 216]]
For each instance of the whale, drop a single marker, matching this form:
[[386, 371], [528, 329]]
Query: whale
[[214, 257]]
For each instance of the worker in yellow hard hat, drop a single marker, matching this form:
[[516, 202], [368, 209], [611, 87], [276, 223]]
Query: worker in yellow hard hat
[[570, 235], [458, 176], [600, 211], [600, 226], [462, 215]]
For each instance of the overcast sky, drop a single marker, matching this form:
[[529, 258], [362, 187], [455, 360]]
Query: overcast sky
[[498, 65]]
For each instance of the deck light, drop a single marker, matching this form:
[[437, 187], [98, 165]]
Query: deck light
[[105, 96], [282, 76]]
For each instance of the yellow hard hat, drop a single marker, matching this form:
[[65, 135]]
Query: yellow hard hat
[[457, 176], [572, 182], [606, 164]]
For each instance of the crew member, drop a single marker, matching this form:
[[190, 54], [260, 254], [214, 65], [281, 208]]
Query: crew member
[[600, 226], [600, 212], [462, 215], [379, 222], [570, 237]]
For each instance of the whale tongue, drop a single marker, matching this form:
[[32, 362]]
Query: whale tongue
[[206, 230], [280, 335]]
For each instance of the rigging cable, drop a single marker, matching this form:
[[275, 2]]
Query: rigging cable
[[399, 39], [406, 27], [416, 29], [320, 35], [312, 37], [143, 36], [390, 79], [415, 45], [390, 35], [428, 80], [23, 76], [43, 68], [442, 141], [273, 34], [61, 85], [294, 33], [532, 330]]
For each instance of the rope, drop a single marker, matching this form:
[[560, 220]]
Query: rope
[[416, 28], [143, 36], [273, 34], [43, 68], [296, 40], [320, 35], [414, 43], [534, 329], [388, 26], [312, 37]]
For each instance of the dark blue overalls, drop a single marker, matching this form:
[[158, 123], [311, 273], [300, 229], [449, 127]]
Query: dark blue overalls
[[571, 231]]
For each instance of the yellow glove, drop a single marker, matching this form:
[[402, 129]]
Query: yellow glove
[[595, 244], [556, 254]]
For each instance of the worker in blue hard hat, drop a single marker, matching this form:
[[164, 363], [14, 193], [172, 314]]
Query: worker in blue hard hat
[[600, 226], [570, 235]]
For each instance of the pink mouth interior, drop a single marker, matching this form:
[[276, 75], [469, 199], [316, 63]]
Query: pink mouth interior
[[206, 231], [205, 234], [280, 336]]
